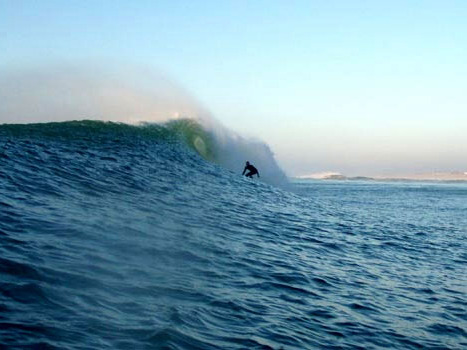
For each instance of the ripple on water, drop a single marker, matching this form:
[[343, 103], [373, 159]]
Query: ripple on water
[[445, 329], [144, 247]]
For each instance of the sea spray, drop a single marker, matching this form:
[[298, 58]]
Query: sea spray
[[74, 92], [131, 96]]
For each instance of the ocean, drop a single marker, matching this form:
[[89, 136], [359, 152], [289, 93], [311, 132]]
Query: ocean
[[147, 237]]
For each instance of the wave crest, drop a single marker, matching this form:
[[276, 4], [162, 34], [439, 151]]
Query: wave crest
[[213, 144]]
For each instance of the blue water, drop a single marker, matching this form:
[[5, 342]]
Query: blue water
[[123, 238]]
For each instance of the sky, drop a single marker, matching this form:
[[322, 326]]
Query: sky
[[352, 86]]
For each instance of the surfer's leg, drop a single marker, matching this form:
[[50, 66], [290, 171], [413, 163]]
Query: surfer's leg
[[251, 173]]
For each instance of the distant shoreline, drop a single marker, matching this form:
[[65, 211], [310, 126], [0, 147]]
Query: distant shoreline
[[455, 177]]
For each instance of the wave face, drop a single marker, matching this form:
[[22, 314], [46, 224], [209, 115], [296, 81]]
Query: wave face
[[129, 95], [138, 237]]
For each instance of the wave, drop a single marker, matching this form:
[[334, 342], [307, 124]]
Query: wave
[[122, 236], [222, 148], [69, 101]]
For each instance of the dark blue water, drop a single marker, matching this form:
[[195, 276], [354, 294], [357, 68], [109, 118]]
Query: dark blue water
[[124, 239]]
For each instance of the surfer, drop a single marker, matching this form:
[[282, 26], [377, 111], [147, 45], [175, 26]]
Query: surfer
[[251, 170]]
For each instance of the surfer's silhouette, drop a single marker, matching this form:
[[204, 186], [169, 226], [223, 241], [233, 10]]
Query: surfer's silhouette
[[251, 170]]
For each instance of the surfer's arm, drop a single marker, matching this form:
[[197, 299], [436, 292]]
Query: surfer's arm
[[244, 171]]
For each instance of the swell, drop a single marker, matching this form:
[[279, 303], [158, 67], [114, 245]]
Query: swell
[[125, 94], [215, 145], [126, 239]]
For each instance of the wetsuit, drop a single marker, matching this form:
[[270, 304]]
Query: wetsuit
[[251, 171]]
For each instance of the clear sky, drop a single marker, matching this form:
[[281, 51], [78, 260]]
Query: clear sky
[[360, 87]]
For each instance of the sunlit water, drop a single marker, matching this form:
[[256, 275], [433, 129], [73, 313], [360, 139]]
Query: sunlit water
[[118, 243]]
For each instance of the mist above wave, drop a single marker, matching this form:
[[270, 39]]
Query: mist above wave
[[70, 92]]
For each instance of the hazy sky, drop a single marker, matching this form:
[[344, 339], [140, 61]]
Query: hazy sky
[[360, 87]]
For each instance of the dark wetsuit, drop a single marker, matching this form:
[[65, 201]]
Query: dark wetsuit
[[251, 171]]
